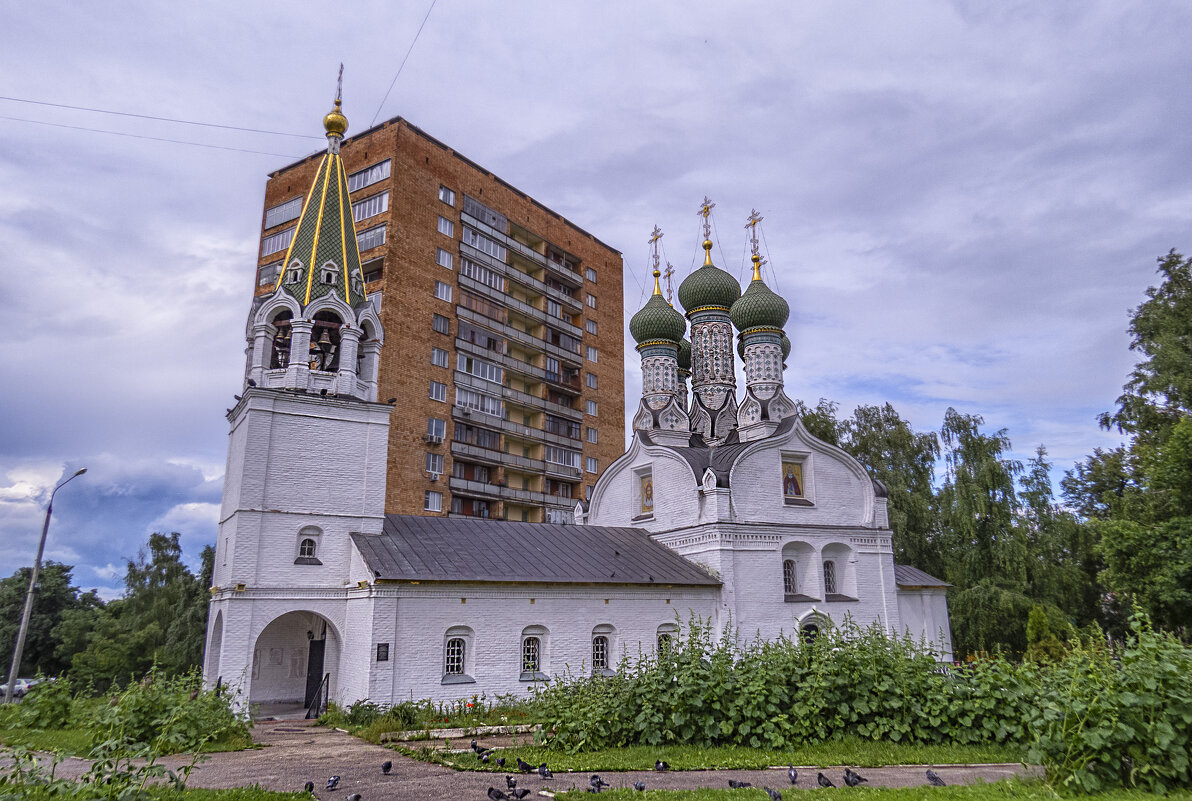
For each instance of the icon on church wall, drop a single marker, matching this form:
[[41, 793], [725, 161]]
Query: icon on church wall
[[647, 493], [792, 478]]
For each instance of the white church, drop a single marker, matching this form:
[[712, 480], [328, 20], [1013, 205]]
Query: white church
[[724, 508]]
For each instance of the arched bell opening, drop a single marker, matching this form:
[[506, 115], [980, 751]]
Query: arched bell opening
[[280, 349], [324, 342]]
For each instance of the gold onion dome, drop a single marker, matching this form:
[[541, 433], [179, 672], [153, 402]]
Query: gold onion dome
[[759, 306], [685, 355], [335, 123], [709, 286], [657, 320]]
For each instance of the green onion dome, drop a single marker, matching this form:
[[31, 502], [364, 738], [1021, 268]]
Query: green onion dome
[[759, 307], [786, 347], [708, 286], [685, 355], [657, 320]]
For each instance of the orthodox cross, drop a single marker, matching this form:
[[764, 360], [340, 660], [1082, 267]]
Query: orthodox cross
[[705, 211], [667, 273], [754, 219], [339, 84]]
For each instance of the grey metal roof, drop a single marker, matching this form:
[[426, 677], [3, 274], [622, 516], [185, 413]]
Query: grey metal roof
[[412, 548], [907, 576]]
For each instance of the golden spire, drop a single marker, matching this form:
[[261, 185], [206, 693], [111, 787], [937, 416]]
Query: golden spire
[[754, 219], [657, 288], [335, 123]]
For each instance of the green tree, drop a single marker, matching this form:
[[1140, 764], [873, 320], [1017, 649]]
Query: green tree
[[55, 597], [821, 421]]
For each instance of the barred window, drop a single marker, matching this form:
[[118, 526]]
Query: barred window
[[372, 238], [283, 212], [830, 577], [275, 243], [600, 653], [453, 659], [790, 584], [531, 652], [369, 175], [370, 206]]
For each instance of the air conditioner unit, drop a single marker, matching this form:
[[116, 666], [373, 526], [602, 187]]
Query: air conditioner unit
[[434, 439], [466, 412], [433, 476]]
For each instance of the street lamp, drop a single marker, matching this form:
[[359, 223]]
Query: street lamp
[[20, 647]]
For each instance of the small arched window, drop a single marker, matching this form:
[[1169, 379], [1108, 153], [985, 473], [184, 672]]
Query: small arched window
[[308, 541], [810, 632], [531, 654], [453, 658], [790, 581], [599, 652], [666, 636], [307, 548], [829, 577]]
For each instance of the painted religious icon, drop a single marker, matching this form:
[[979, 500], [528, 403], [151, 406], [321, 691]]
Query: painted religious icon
[[792, 478], [647, 493]]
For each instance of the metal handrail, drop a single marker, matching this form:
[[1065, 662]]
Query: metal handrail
[[318, 704]]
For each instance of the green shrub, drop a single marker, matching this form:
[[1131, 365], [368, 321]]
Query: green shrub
[[46, 705]]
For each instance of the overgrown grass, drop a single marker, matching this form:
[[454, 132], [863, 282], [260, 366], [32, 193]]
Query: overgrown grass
[[370, 720], [1000, 791], [71, 742], [849, 751]]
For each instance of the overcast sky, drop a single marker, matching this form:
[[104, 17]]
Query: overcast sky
[[962, 203]]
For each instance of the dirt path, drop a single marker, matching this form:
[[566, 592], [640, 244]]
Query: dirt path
[[296, 752]]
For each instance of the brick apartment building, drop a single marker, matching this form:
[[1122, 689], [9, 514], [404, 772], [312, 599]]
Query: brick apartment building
[[503, 328]]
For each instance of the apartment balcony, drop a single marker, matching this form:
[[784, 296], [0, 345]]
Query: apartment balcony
[[563, 471], [526, 309], [519, 430], [540, 259], [475, 489], [522, 495], [535, 260], [491, 456]]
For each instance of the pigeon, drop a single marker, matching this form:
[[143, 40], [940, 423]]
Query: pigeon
[[520, 794], [852, 778], [386, 766], [660, 765], [333, 783], [736, 785], [544, 771], [309, 787], [792, 774], [934, 779], [511, 782], [598, 783], [484, 756], [774, 794], [823, 780], [524, 766], [353, 797], [497, 795], [639, 786], [473, 745], [501, 762]]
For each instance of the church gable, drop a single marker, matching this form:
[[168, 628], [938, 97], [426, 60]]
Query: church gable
[[650, 486]]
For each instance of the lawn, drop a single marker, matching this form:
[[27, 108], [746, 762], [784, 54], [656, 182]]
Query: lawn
[[1001, 791], [77, 742], [851, 751]]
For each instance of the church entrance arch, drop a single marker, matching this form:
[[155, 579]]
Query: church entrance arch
[[291, 657]]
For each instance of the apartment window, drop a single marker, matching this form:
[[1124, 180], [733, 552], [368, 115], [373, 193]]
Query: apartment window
[[432, 501], [483, 243], [443, 258], [590, 380], [567, 343], [382, 652], [591, 408], [482, 306], [369, 175], [438, 357], [443, 291], [790, 582], [590, 300], [446, 227], [592, 353], [371, 206], [373, 270], [480, 437], [434, 463], [441, 324], [484, 275], [561, 456], [372, 238], [554, 308], [470, 399], [275, 243], [561, 427], [590, 465], [479, 368], [438, 391], [269, 274], [559, 516], [593, 435], [590, 274], [830, 577], [447, 196], [283, 212], [552, 368], [436, 428], [590, 326]]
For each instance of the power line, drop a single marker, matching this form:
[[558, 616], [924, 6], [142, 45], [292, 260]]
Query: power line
[[142, 136], [152, 117], [403, 63]]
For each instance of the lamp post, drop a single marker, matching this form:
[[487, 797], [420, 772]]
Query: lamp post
[[20, 646]]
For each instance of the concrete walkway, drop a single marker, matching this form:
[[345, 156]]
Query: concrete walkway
[[296, 752]]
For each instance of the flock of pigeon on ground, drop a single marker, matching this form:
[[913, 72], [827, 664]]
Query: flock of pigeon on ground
[[596, 785]]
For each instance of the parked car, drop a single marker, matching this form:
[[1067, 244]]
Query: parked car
[[21, 687]]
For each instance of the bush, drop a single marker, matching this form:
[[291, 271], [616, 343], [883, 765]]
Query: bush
[[46, 705], [170, 715]]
